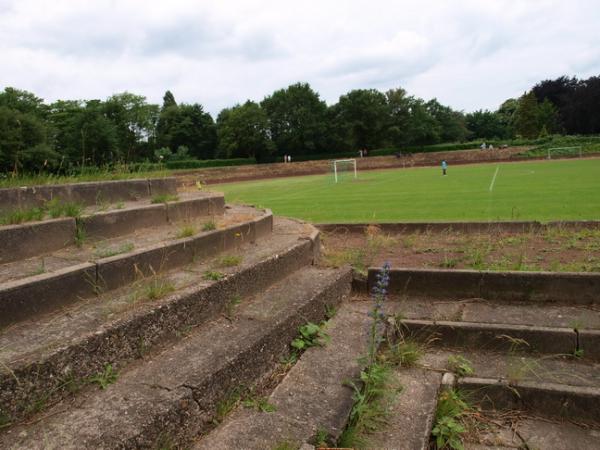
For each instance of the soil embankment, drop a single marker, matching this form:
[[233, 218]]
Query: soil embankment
[[216, 175]]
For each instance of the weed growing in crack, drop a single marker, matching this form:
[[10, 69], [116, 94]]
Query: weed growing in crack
[[286, 445], [460, 365], [186, 231], [231, 305], [157, 288], [126, 247], [260, 404], [230, 261], [405, 353], [372, 398], [105, 378], [322, 438], [311, 335], [449, 424], [164, 198], [213, 275], [209, 226], [227, 404]]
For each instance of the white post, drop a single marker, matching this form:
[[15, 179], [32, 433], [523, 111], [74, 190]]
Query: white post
[[335, 170], [354, 169]]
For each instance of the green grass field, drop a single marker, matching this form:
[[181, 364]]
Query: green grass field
[[541, 190]]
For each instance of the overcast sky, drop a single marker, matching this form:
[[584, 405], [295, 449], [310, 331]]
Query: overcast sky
[[469, 54]]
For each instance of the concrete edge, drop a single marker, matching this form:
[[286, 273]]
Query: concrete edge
[[88, 193], [30, 239], [129, 338], [40, 294], [44, 293], [502, 337], [552, 400], [467, 227], [569, 287]]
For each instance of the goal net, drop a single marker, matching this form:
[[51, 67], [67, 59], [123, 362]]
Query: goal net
[[344, 168], [558, 152]]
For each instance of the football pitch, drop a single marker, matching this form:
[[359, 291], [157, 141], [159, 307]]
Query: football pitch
[[540, 190]]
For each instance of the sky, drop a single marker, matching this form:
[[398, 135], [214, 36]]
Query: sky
[[469, 54]]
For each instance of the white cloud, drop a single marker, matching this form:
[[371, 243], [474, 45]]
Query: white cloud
[[469, 54]]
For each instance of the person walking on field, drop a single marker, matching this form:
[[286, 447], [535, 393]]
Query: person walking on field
[[444, 167]]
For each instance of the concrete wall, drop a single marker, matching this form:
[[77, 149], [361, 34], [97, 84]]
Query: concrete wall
[[89, 193], [576, 288]]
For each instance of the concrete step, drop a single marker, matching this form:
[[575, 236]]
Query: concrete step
[[501, 326], [87, 193], [44, 357], [519, 431], [73, 274], [517, 366], [171, 397], [99, 222], [310, 398], [411, 415]]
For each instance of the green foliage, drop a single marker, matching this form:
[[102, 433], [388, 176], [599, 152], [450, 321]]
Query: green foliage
[[22, 215], [105, 378], [213, 275], [126, 247], [209, 226], [56, 208], [230, 261], [448, 426], [311, 335], [186, 231], [200, 164], [260, 404], [227, 404], [243, 132], [157, 288], [405, 353], [460, 365], [164, 198]]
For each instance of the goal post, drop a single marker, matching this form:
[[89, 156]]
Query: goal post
[[564, 151], [341, 165]]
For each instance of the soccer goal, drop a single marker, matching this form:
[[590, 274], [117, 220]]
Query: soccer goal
[[558, 152], [341, 166]]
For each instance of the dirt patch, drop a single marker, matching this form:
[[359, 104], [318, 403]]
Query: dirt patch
[[553, 249]]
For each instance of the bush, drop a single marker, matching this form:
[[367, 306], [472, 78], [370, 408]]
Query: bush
[[199, 164]]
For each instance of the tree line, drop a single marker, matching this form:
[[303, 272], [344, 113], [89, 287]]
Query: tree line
[[71, 134]]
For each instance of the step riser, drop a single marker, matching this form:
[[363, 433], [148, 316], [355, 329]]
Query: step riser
[[118, 223], [45, 293], [85, 193], [30, 239], [23, 241], [556, 341], [129, 340], [183, 423], [571, 288], [553, 401]]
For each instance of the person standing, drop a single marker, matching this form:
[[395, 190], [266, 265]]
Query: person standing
[[444, 167]]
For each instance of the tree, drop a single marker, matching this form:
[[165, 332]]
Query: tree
[[526, 116], [297, 120], [548, 117], [361, 119], [194, 129], [451, 126], [21, 136], [135, 121], [423, 129], [485, 125], [398, 131], [243, 132]]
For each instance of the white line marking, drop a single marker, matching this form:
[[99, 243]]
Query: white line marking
[[494, 178]]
